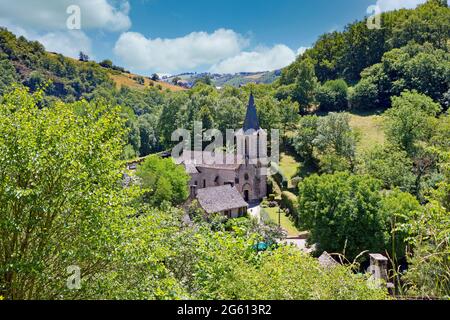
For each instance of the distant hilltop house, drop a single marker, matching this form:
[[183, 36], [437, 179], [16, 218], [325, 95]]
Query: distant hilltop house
[[184, 83], [229, 186]]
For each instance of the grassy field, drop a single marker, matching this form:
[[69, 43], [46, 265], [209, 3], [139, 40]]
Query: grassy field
[[370, 130], [126, 80], [286, 222], [289, 165]]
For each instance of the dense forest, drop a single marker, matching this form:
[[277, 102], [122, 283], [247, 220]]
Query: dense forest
[[66, 130]]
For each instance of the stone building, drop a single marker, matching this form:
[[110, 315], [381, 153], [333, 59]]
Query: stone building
[[243, 170], [223, 199]]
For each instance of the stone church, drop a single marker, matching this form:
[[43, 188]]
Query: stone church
[[228, 187]]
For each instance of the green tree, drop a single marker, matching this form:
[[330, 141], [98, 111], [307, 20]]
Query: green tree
[[305, 137], [397, 208], [83, 57], [364, 96], [391, 165], [227, 268], [429, 270], [149, 143], [205, 79], [107, 64], [332, 95], [336, 142], [350, 214], [409, 121], [328, 141], [62, 203], [8, 75], [306, 84], [289, 112], [229, 113], [346, 54], [269, 113], [341, 212], [163, 180]]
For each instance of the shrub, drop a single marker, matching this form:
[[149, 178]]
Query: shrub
[[332, 96], [289, 201], [276, 190], [106, 64], [364, 95]]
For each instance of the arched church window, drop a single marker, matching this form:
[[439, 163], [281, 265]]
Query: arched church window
[[246, 177]]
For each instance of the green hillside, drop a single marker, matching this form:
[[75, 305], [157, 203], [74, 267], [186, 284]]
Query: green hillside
[[410, 51]]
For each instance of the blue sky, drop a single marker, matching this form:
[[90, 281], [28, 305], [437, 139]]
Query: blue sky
[[292, 22], [173, 36]]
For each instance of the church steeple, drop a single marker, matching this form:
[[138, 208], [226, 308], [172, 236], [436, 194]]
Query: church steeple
[[251, 119]]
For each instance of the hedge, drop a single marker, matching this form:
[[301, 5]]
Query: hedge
[[289, 201]]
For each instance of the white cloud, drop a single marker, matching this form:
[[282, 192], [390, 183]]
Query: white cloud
[[67, 43], [179, 54], [46, 22], [390, 5], [262, 59], [52, 14]]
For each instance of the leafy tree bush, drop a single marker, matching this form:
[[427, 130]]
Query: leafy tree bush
[[289, 114], [341, 213], [83, 57], [8, 75], [107, 64], [147, 126], [397, 208], [336, 142], [364, 96], [289, 201], [227, 268], [348, 214], [155, 77], [328, 141], [429, 272], [305, 137], [306, 84], [269, 113], [410, 120], [391, 165], [164, 181], [332, 95], [229, 113], [62, 202], [346, 54]]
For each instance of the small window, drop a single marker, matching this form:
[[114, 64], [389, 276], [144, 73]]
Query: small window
[[236, 180], [204, 183], [246, 177]]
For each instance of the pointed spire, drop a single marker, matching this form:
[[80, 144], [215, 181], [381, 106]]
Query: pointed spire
[[251, 118]]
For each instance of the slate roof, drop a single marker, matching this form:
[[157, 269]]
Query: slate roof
[[251, 118], [327, 261], [192, 166], [218, 199]]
